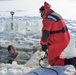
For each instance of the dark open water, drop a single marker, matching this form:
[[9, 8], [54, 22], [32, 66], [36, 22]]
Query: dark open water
[[23, 55]]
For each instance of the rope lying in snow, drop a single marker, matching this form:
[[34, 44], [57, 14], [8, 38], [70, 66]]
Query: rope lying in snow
[[45, 67], [33, 72]]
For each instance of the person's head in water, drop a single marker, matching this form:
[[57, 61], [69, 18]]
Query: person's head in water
[[11, 49]]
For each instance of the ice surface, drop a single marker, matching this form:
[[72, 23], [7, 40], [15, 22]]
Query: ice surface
[[33, 66], [26, 30]]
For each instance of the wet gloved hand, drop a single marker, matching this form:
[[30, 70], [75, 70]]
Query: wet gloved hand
[[44, 47]]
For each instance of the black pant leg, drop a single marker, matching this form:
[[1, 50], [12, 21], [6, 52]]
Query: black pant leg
[[68, 61]]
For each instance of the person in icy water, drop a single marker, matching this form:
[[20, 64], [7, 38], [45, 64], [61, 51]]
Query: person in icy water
[[55, 36], [12, 53]]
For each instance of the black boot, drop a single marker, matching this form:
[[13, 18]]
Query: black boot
[[71, 61], [68, 61]]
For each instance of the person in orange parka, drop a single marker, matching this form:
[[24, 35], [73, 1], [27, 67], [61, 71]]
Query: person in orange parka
[[55, 36]]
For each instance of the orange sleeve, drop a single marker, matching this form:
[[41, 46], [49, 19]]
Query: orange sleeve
[[47, 25]]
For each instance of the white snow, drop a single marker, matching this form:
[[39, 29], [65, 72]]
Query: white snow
[[33, 66], [67, 10], [70, 51]]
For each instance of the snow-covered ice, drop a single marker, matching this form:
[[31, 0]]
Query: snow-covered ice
[[32, 67]]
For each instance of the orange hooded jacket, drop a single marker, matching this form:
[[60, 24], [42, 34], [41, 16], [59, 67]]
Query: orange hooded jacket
[[54, 34]]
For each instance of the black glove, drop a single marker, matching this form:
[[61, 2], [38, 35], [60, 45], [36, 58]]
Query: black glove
[[44, 47]]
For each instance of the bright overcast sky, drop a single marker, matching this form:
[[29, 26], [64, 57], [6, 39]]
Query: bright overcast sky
[[67, 8]]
